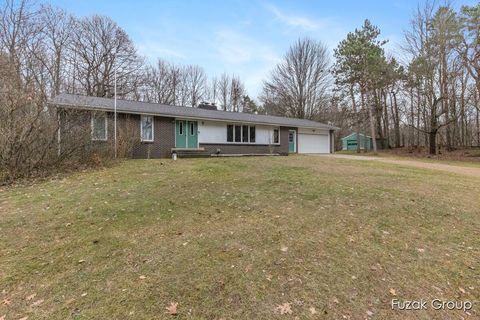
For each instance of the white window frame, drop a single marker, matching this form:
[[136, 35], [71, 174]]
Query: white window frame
[[191, 128], [249, 137], [181, 128], [92, 126], [233, 133], [273, 135], [241, 133], [141, 129]]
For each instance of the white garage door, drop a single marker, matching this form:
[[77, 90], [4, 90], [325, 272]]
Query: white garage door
[[313, 143]]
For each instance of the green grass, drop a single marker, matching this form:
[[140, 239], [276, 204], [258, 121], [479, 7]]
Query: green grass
[[462, 163], [125, 242]]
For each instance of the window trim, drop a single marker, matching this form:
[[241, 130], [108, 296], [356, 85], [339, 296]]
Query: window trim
[[92, 126], [250, 134], [233, 132], [243, 133], [141, 129], [273, 135], [191, 129], [181, 127], [241, 125]]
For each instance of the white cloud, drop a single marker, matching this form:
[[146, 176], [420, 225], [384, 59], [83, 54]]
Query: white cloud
[[295, 20], [233, 47], [243, 55], [329, 30], [237, 48], [153, 50]]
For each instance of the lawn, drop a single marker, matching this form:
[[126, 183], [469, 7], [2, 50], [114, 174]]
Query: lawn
[[236, 238]]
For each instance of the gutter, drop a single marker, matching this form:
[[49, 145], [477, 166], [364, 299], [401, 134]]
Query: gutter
[[104, 109]]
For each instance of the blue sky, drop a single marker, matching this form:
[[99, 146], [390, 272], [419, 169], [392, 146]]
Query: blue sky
[[246, 38]]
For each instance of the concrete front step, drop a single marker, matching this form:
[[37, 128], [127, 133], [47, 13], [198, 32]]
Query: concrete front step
[[245, 155], [190, 153]]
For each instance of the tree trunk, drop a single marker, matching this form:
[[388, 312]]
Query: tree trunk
[[433, 141], [432, 135], [372, 124], [352, 95], [418, 117], [377, 106], [397, 121], [444, 93], [411, 132], [386, 120], [478, 127]]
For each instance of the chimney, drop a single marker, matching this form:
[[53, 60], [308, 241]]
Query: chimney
[[207, 106]]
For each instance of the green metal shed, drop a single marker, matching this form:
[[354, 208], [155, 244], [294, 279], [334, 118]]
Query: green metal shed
[[350, 142]]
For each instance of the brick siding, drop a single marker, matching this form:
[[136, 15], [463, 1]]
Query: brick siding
[[128, 137]]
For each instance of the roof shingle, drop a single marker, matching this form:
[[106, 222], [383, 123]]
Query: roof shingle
[[138, 107]]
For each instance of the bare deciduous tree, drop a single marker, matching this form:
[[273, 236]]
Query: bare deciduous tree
[[237, 92], [224, 91], [56, 33], [299, 84], [195, 81], [99, 47]]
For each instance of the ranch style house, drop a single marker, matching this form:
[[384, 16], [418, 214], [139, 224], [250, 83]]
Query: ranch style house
[[161, 130]]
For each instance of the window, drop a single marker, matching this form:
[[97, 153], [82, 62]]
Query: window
[[290, 137], [244, 133], [180, 128], [192, 128], [252, 134], [146, 127], [229, 133], [99, 126], [276, 135], [238, 133]]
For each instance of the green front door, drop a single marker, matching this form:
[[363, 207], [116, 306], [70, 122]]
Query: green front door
[[186, 134], [192, 137], [292, 141], [180, 135]]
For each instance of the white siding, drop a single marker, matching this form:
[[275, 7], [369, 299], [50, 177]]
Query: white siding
[[212, 132], [264, 135], [216, 132]]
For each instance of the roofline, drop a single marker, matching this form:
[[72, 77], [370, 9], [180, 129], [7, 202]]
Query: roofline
[[99, 108], [351, 134]]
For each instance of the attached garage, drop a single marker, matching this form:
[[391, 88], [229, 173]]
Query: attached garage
[[313, 141], [166, 131]]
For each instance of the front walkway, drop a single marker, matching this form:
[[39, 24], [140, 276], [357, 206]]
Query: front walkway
[[474, 172]]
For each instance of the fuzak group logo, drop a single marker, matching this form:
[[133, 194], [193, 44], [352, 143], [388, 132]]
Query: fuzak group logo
[[435, 304]]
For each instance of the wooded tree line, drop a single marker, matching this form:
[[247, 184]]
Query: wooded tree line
[[53, 51], [432, 96], [425, 96], [45, 50]]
